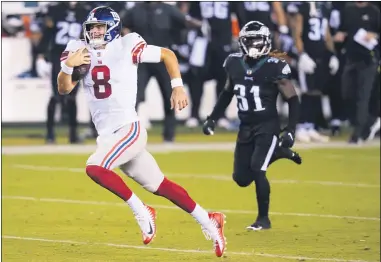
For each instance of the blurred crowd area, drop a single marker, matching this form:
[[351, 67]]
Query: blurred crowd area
[[27, 19]]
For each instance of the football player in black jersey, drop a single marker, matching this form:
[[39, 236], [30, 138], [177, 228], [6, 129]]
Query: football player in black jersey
[[63, 22], [255, 77], [315, 48], [218, 47], [265, 12]]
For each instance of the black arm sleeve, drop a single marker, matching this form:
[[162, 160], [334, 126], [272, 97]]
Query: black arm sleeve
[[223, 100], [293, 115]]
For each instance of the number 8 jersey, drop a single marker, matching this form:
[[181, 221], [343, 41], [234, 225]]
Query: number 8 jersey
[[255, 87], [111, 84]]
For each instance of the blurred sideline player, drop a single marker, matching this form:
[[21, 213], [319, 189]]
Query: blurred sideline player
[[255, 77], [208, 55], [111, 87], [61, 26], [313, 42]]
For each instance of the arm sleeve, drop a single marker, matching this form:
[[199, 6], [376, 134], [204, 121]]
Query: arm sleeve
[[223, 100], [226, 95], [134, 44], [150, 54]]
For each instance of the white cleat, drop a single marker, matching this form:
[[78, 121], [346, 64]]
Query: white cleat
[[302, 135], [147, 223], [317, 137], [217, 234], [192, 122]]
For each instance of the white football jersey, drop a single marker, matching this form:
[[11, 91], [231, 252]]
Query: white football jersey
[[111, 84]]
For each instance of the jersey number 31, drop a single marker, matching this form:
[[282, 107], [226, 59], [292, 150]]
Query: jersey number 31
[[101, 77], [243, 104]]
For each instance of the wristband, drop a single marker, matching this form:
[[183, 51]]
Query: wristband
[[176, 82], [67, 69]]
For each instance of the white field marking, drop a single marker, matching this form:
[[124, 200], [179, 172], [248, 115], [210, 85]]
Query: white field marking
[[195, 251], [207, 176], [166, 148], [104, 203]]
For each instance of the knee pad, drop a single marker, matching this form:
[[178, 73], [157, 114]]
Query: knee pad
[[242, 180]]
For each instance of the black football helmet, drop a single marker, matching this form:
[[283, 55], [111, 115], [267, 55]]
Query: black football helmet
[[255, 39]]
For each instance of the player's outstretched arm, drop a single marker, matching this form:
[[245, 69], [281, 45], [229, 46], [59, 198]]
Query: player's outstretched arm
[[288, 91], [64, 79]]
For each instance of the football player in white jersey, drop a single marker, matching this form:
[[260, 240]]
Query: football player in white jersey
[[111, 87]]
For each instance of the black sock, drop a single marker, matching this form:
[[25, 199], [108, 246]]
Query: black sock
[[50, 121], [307, 110], [262, 187], [72, 117]]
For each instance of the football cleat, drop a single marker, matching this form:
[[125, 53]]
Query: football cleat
[[147, 224], [261, 223], [218, 237]]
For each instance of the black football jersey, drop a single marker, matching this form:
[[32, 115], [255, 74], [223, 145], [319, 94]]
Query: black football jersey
[[255, 86], [67, 25], [218, 15], [315, 23], [257, 11]]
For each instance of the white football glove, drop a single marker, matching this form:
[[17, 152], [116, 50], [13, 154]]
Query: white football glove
[[306, 64], [43, 68], [334, 65]]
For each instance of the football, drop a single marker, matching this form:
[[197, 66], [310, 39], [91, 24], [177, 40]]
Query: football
[[79, 72]]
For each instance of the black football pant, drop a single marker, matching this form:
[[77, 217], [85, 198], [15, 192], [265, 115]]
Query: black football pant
[[357, 85], [334, 93], [68, 104], [213, 69], [251, 159], [145, 72]]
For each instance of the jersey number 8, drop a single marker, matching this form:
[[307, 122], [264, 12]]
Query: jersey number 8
[[243, 105], [101, 77]]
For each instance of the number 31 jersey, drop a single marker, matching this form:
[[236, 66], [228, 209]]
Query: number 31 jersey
[[111, 84], [255, 87]]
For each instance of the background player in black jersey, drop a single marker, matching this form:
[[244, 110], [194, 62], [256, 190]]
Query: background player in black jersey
[[268, 13], [315, 47], [62, 24], [255, 77], [218, 47]]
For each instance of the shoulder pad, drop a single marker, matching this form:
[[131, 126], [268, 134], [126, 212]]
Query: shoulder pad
[[230, 57], [74, 45], [131, 40]]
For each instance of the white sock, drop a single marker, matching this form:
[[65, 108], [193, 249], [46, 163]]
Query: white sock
[[135, 204], [202, 217]]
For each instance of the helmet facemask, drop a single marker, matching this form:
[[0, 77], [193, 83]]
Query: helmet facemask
[[254, 39], [94, 36], [255, 46]]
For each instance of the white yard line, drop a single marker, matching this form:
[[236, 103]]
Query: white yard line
[[218, 177], [103, 203], [194, 251], [162, 148]]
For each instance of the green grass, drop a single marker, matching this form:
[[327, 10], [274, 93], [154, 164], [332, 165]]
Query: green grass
[[206, 176]]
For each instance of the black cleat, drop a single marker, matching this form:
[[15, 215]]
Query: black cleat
[[296, 157], [283, 152], [261, 223]]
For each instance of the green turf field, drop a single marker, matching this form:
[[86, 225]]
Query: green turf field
[[327, 209]]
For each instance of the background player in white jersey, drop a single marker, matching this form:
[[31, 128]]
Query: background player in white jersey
[[111, 86]]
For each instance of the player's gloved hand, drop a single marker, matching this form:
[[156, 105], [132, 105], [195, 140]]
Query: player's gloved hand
[[333, 64], [208, 126], [79, 57], [306, 64], [287, 139]]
